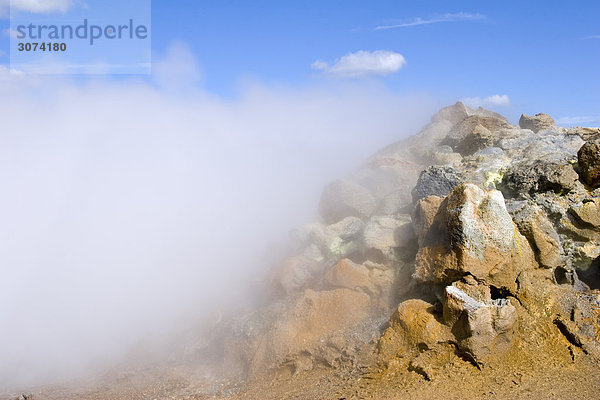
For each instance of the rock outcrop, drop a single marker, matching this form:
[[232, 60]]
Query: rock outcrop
[[476, 240], [537, 122]]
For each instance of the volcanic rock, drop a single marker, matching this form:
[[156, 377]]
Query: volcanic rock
[[436, 181], [537, 123], [412, 326], [537, 228], [589, 162], [482, 329], [345, 198], [473, 233]]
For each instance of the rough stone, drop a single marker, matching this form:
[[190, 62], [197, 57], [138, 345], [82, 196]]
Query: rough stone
[[436, 181], [312, 320], [444, 155], [534, 176], [467, 126], [478, 139], [589, 162], [344, 198], [482, 328], [341, 239], [537, 123], [454, 113], [585, 133], [349, 275], [295, 274], [423, 216], [412, 326], [535, 226], [588, 213], [389, 185], [383, 235], [473, 233]]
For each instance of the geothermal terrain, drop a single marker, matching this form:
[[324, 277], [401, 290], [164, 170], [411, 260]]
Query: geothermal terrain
[[460, 263]]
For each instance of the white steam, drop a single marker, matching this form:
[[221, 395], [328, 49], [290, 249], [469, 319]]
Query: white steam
[[129, 206]]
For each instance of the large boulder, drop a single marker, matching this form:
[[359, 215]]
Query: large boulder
[[344, 198], [589, 162], [473, 234], [436, 181], [537, 122]]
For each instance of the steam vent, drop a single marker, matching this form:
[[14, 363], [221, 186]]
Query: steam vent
[[460, 263]]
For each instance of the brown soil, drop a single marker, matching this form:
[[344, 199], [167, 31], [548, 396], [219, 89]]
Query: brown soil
[[567, 374]]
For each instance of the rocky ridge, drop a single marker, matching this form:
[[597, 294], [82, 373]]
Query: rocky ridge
[[474, 241]]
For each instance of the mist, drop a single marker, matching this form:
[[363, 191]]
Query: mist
[[133, 207]]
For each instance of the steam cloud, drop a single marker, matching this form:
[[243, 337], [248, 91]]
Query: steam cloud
[[131, 207]]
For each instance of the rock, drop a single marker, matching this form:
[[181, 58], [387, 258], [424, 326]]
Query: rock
[[535, 226], [467, 126], [423, 216], [389, 185], [589, 162], [429, 363], [573, 315], [444, 155], [295, 274], [482, 329], [533, 176], [344, 198], [588, 213], [585, 133], [454, 114], [436, 181], [311, 321], [349, 275], [537, 123], [342, 239], [383, 235], [473, 233], [411, 327], [479, 138]]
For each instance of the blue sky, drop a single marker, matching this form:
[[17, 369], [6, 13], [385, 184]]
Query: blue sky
[[543, 55]]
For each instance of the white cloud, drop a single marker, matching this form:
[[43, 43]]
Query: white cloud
[[362, 64], [35, 6], [581, 120], [2, 53], [496, 100], [131, 206], [449, 17], [591, 37]]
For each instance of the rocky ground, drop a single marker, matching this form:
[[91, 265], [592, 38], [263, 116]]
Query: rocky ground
[[462, 262]]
